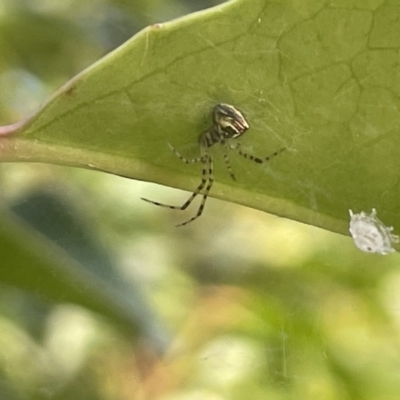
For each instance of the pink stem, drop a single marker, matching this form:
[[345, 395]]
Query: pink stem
[[12, 128]]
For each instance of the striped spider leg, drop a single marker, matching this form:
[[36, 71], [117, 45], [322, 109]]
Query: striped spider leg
[[207, 180], [258, 160], [228, 124]]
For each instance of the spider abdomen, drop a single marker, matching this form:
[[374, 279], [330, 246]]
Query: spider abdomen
[[229, 122]]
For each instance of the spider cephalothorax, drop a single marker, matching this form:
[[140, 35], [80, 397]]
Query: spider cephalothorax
[[228, 125]]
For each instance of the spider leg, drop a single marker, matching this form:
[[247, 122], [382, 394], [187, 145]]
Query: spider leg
[[187, 203], [258, 160], [208, 175], [185, 160], [228, 166]]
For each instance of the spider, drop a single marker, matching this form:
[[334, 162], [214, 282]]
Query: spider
[[228, 123]]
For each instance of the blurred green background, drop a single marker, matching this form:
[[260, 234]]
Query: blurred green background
[[101, 297]]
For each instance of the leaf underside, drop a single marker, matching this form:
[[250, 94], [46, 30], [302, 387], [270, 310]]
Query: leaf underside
[[321, 80]]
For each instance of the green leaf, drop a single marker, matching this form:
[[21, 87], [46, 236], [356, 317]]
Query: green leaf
[[320, 80]]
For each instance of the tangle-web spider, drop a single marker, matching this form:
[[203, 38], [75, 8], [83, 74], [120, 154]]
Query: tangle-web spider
[[228, 123]]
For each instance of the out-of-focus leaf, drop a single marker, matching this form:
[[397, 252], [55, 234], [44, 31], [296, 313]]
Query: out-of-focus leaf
[[42, 44], [50, 253]]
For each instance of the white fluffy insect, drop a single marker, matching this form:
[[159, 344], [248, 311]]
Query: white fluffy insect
[[370, 234]]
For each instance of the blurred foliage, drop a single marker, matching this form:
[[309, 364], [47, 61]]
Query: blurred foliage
[[101, 297]]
